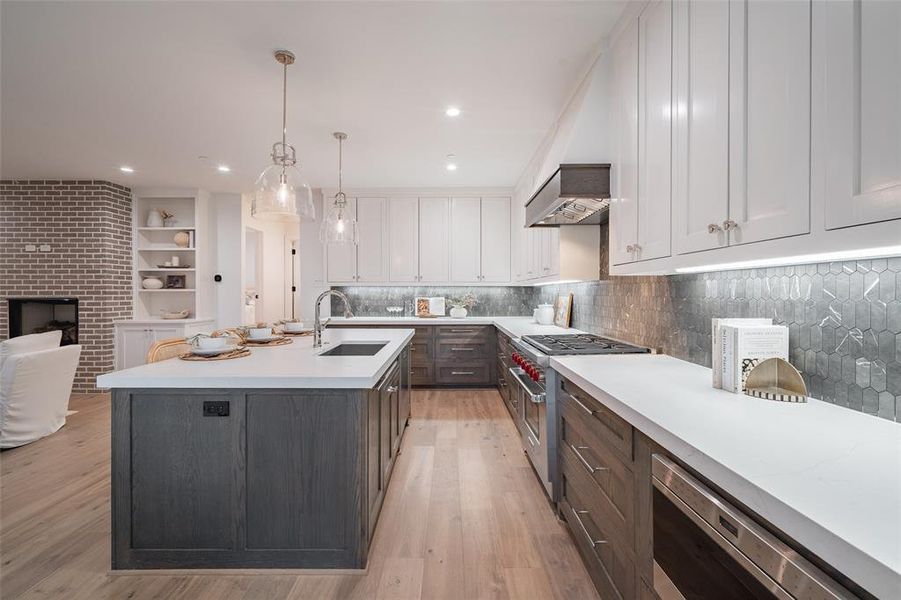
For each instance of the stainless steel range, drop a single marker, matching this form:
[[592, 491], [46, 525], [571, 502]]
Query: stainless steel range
[[536, 391]]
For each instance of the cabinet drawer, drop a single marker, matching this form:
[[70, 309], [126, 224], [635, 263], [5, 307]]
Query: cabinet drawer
[[462, 349], [422, 350], [617, 517], [422, 331], [422, 374], [611, 569], [463, 373], [601, 423], [504, 345], [464, 331], [598, 461]]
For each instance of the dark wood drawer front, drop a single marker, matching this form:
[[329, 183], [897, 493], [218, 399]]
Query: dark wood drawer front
[[422, 374], [423, 351], [464, 373], [600, 422], [611, 569], [467, 332], [618, 520], [599, 462], [423, 331], [504, 345], [462, 349]]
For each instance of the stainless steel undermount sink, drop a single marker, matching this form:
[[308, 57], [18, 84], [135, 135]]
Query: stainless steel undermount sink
[[355, 349]]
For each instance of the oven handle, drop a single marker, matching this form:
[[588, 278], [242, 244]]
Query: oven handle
[[741, 538], [518, 376]]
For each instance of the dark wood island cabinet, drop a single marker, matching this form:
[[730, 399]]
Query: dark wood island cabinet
[[253, 478]]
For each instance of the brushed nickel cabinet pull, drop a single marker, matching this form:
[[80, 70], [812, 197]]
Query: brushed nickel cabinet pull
[[729, 225], [587, 465], [462, 349], [462, 373], [391, 389], [713, 228], [630, 248], [582, 406], [594, 543]]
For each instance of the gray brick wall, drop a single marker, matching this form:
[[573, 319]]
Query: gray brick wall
[[87, 223]]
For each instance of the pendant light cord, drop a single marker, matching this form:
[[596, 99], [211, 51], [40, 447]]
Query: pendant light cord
[[284, 103]]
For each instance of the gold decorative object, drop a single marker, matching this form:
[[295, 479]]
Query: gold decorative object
[[182, 239], [236, 353], [776, 379]]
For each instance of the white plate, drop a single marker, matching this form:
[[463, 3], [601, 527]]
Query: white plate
[[214, 351], [268, 338]]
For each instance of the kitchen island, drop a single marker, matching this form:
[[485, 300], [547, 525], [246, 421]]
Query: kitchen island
[[277, 460]]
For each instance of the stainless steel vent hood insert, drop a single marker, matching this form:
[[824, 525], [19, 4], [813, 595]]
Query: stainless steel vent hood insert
[[576, 194]]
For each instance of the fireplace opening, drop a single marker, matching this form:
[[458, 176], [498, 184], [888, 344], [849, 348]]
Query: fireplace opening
[[38, 315]]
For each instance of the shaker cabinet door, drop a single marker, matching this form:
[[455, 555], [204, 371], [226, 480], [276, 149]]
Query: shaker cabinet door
[[623, 204], [403, 240], [133, 345], [434, 240], [372, 243], [861, 121], [341, 259], [465, 233], [769, 97], [701, 139], [495, 240]]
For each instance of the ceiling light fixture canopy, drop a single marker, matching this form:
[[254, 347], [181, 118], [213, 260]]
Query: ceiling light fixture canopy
[[281, 194], [339, 226]]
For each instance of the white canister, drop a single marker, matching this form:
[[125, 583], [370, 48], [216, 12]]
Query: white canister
[[545, 314], [175, 260]]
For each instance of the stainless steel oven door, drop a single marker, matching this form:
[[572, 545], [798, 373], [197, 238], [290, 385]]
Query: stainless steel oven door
[[706, 548], [533, 422]]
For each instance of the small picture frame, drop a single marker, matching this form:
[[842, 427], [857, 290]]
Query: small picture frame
[[175, 282], [563, 307]]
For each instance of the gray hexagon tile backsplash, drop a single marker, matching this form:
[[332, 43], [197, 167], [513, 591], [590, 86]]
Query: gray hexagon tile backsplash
[[844, 320]]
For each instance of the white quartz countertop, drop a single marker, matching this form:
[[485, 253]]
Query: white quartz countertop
[[827, 476], [513, 326], [296, 365]]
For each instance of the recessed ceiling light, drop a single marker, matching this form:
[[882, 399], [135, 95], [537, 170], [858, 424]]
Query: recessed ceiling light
[[452, 111], [451, 164], [125, 169], [223, 169]]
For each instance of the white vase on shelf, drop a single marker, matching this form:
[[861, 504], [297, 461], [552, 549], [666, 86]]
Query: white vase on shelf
[[154, 218], [458, 312]]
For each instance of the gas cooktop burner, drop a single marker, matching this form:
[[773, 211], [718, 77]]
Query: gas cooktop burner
[[580, 343]]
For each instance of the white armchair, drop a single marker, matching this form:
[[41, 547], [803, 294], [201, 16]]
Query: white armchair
[[36, 376]]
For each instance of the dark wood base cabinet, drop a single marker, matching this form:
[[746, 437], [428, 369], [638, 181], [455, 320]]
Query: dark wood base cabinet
[[253, 478], [449, 355]]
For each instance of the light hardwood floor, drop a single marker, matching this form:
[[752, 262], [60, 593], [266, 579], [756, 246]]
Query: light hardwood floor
[[465, 518]]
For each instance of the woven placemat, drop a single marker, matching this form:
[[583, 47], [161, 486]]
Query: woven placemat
[[298, 333], [277, 342], [237, 353]]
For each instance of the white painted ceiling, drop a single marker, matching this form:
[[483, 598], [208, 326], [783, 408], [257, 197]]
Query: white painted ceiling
[[89, 86]]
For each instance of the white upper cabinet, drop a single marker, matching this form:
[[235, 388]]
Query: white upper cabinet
[[495, 240], [623, 209], [372, 245], [701, 140], [341, 259], [862, 120], [769, 125], [655, 101], [465, 236], [403, 240], [367, 261], [434, 240]]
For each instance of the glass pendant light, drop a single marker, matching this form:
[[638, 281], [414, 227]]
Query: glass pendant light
[[281, 194], [339, 226]]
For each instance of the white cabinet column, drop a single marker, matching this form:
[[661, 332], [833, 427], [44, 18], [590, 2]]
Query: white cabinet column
[[403, 240], [623, 204], [434, 240], [495, 240], [701, 143], [862, 114], [372, 245], [465, 235], [769, 96]]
